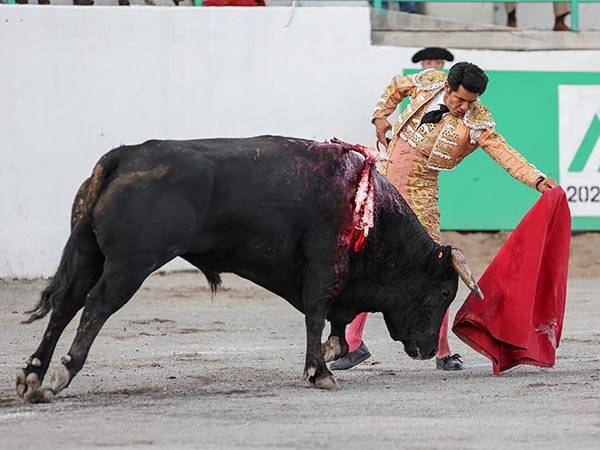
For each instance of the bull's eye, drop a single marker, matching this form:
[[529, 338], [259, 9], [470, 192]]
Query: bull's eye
[[445, 292]]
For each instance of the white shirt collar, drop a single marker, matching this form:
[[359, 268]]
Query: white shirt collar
[[436, 102]]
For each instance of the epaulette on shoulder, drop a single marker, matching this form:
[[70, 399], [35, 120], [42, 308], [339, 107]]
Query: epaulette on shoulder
[[478, 117], [429, 80]]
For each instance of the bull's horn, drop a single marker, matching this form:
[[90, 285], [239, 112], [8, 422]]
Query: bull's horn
[[460, 264]]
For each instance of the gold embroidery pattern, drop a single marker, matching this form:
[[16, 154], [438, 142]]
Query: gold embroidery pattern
[[387, 93], [414, 133], [414, 109], [478, 117], [440, 157], [401, 86], [417, 183], [429, 80], [422, 198]]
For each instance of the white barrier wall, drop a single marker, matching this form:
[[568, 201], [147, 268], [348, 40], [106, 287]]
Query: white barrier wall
[[76, 82]]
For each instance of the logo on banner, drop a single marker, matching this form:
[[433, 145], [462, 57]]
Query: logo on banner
[[579, 148], [589, 143]]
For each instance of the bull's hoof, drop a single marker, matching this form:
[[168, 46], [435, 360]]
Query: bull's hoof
[[332, 348], [44, 395], [60, 378], [326, 381], [321, 381], [27, 383], [21, 385], [309, 373]]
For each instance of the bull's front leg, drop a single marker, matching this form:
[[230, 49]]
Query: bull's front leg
[[324, 272], [315, 369]]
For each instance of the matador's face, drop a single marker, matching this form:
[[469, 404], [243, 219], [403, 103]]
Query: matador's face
[[459, 101]]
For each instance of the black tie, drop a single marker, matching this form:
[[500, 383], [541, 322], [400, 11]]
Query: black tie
[[435, 116]]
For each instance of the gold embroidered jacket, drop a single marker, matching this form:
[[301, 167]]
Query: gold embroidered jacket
[[458, 137]]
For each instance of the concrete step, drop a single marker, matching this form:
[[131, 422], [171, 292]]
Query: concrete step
[[414, 30]]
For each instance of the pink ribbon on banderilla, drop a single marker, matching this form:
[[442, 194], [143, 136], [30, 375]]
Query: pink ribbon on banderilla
[[364, 199]]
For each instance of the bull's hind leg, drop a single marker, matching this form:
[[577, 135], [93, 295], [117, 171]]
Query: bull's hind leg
[[116, 286], [65, 306], [29, 379]]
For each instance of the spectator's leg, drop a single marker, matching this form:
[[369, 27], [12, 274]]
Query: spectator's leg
[[384, 5], [408, 7], [511, 14], [561, 10]]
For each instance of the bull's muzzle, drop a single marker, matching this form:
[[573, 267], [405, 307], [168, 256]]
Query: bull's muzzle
[[416, 353]]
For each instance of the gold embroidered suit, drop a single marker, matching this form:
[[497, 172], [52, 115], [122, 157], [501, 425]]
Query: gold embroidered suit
[[418, 152]]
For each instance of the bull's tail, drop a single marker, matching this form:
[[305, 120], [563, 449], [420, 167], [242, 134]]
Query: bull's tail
[[60, 283], [80, 245]]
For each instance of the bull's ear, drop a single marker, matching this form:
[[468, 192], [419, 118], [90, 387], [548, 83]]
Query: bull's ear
[[459, 263]]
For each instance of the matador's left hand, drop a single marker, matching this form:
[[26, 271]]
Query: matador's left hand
[[546, 183]]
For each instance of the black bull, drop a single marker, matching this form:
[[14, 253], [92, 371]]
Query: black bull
[[276, 211]]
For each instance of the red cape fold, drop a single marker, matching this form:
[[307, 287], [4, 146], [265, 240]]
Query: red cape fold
[[520, 321]]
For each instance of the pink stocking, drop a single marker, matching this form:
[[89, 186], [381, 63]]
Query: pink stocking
[[355, 331], [443, 345]]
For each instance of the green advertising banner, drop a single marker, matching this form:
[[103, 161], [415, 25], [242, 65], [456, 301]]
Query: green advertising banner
[[551, 118]]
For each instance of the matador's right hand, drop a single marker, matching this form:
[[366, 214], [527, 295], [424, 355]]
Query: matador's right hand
[[382, 126]]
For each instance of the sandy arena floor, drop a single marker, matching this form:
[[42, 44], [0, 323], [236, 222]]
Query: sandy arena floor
[[177, 369]]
